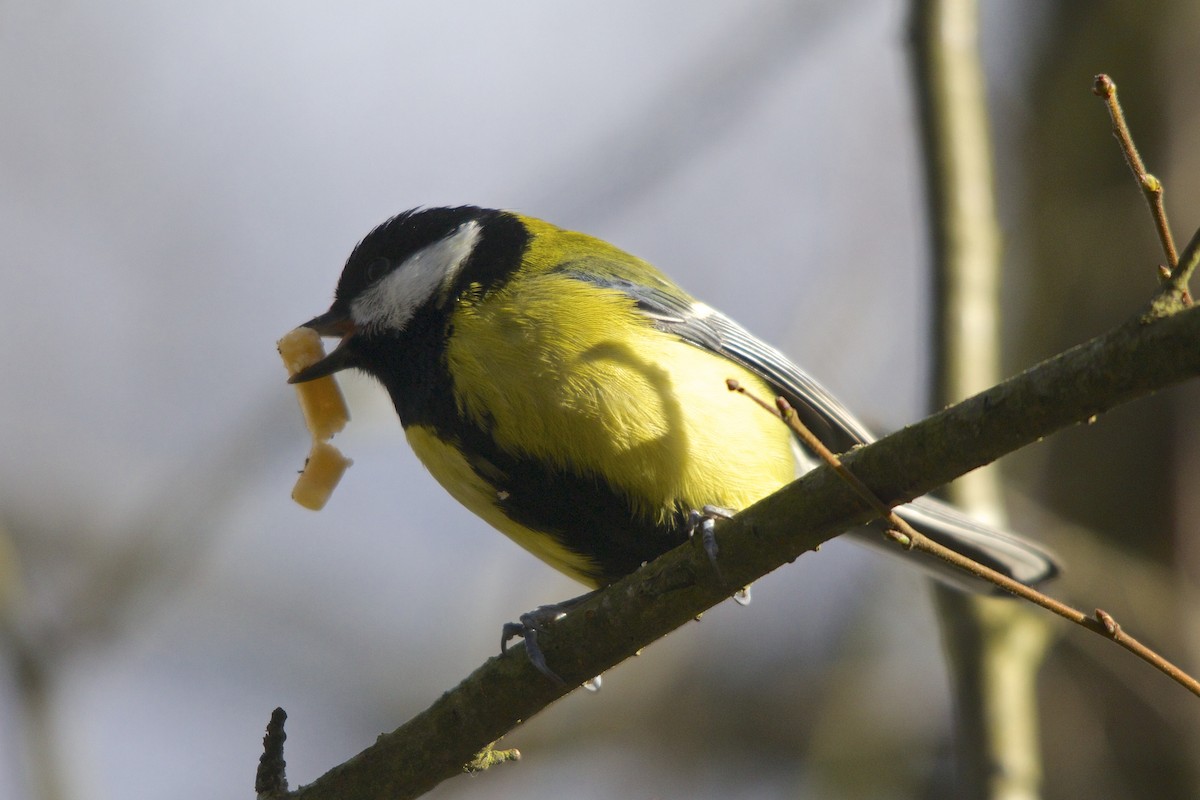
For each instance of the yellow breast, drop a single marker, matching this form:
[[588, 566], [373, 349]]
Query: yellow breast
[[603, 394]]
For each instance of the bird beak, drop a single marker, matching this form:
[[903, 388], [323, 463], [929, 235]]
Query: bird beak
[[333, 322]]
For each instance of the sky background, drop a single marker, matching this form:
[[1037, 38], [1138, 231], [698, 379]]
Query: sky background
[[181, 184]]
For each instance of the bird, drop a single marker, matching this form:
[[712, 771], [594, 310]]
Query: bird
[[574, 397]]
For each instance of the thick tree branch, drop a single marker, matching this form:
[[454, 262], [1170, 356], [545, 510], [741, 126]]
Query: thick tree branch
[[909, 538], [1137, 358]]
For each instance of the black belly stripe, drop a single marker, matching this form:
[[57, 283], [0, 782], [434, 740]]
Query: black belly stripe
[[583, 513]]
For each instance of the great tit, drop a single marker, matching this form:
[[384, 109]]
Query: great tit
[[575, 398]]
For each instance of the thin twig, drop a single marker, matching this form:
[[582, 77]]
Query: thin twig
[[906, 536], [1151, 186]]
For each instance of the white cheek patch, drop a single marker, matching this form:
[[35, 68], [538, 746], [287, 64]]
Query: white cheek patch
[[393, 301]]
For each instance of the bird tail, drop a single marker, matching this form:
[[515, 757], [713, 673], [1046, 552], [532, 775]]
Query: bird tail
[[1004, 552]]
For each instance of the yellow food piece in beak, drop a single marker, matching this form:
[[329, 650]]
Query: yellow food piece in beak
[[325, 414], [321, 400]]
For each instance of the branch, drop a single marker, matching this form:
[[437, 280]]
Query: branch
[[1178, 270], [1174, 294], [1100, 622], [993, 648], [1151, 187], [1135, 359], [909, 538], [964, 232], [271, 779]]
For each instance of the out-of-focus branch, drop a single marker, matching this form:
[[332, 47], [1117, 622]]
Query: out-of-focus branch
[[964, 235], [159, 550], [994, 648]]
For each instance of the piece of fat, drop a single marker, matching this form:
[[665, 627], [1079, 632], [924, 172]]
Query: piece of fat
[[321, 400], [322, 471], [325, 414]]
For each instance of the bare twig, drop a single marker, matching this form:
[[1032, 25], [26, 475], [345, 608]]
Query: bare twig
[[906, 536], [1151, 186], [1178, 271]]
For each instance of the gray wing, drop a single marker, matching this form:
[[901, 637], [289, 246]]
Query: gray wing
[[706, 327], [675, 312]]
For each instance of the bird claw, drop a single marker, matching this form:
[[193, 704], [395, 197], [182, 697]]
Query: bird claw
[[705, 520], [527, 628], [533, 622]]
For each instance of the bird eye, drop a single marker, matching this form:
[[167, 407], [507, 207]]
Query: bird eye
[[377, 269]]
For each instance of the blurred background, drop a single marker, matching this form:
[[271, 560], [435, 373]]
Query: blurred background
[[180, 185]]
